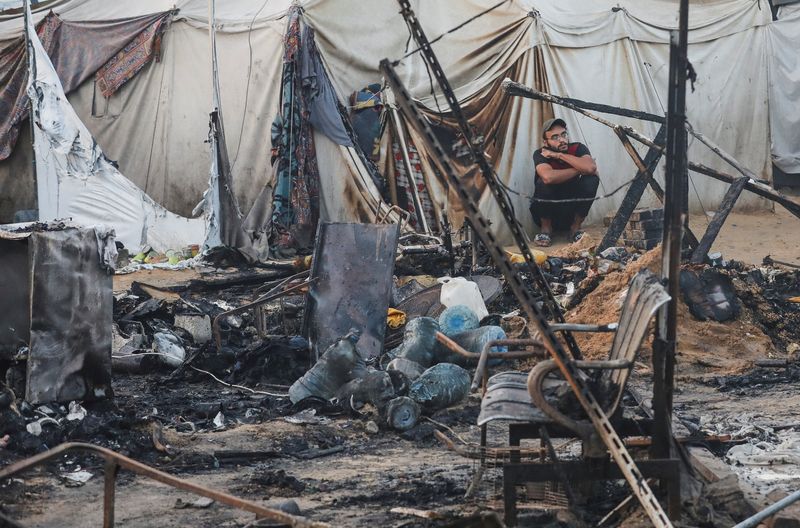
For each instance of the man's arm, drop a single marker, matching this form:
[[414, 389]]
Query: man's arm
[[549, 175], [584, 164]]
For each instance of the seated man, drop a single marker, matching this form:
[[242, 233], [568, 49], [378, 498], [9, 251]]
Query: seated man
[[564, 171]]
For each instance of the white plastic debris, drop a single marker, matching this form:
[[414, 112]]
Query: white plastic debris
[[224, 305], [76, 412], [219, 421], [202, 502], [78, 477], [169, 345], [306, 416], [34, 428]]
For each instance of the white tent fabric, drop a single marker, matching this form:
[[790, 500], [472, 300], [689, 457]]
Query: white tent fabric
[[584, 23], [156, 124], [784, 88], [591, 52], [75, 179]]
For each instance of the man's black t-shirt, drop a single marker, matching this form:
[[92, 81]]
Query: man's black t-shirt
[[576, 149]]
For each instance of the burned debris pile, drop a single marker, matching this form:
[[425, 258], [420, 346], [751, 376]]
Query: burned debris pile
[[419, 358], [175, 375]]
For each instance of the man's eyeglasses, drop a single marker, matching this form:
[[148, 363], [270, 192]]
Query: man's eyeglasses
[[555, 137]]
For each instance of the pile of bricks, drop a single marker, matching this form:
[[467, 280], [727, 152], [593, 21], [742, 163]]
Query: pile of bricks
[[645, 229]]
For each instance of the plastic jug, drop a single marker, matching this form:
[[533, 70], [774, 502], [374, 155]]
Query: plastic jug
[[419, 341], [458, 290], [402, 413], [440, 387], [340, 363], [457, 319], [472, 341]]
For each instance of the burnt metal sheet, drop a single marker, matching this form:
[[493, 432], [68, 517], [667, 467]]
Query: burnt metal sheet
[[352, 285], [15, 319], [71, 318]]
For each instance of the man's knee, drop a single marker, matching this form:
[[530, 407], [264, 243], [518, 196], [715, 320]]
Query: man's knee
[[544, 191], [588, 186]]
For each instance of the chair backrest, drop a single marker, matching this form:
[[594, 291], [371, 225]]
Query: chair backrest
[[645, 296]]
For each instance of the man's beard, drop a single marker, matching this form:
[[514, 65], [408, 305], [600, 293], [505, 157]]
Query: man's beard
[[563, 147]]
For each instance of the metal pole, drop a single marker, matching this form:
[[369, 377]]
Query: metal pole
[[109, 485], [32, 75], [144, 470], [756, 519], [401, 138], [674, 206], [212, 33]]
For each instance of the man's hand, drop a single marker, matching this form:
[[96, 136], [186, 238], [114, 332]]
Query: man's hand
[[551, 154]]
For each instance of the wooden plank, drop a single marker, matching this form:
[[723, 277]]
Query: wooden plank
[[752, 185], [728, 201], [689, 237], [513, 88], [633, 196]]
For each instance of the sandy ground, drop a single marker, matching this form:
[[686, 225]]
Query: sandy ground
[[746, 236]]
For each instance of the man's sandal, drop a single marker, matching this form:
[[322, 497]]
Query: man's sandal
[[543, 240], [577, 235]]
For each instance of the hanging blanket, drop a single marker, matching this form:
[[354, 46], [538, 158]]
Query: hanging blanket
[[127, 63], [76, 49], [295, 200]]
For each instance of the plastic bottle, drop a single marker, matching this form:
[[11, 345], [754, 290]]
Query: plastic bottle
[[402, 413], [457, 319], [411, 369], [459, 290], [419, 341], [440, 387], [473, 341], [340, 363]]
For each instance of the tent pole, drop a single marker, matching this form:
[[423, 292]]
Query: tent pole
[[212, 33], [412, 182], [32, 74], [674, 219]]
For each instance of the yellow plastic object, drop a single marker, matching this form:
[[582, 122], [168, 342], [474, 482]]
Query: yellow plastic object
[[540, 257], [395, 318], [794, 299], [303, 263], [155, 258], [172, 257]]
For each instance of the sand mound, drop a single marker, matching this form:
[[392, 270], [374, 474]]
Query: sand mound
[[572, 251], [703, 346]]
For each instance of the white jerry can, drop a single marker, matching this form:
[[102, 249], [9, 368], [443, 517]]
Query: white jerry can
[[458, 290]]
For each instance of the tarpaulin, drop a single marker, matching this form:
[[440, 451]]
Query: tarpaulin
[[77, 50], [75, 180], [155, 124], [784, 88]]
